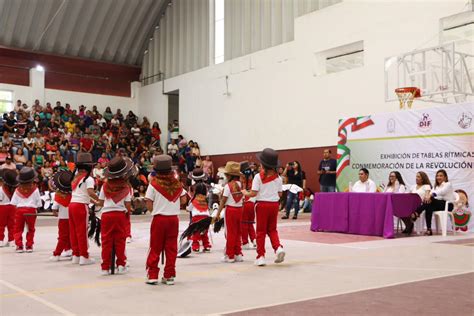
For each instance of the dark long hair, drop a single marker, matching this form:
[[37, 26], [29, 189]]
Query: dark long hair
[[199, 188], [424, 178], [299, 169], [85, 167], [445, 175], [398, 176]]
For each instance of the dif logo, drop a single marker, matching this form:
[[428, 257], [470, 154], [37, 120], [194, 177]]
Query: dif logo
[[425, 123]]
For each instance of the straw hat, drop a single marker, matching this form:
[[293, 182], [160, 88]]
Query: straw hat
[[231, 168], [118, 167], [27, 175], [269, 158]]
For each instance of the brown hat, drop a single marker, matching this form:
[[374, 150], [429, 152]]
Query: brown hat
[[231, 168], [244, 165], [269, 158], [62, 180], [9, 177], [198, 174], [118, 167], [162, 163], [84, 159], [27, 175]]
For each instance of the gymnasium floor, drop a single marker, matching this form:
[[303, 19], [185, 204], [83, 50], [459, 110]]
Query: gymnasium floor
[[330, 274]]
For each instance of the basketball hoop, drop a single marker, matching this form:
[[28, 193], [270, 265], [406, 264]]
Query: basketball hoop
[[406, 95]]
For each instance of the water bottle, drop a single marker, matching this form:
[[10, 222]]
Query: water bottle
[[350, 186]]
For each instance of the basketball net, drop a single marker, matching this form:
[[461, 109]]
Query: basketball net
[[406, 95]]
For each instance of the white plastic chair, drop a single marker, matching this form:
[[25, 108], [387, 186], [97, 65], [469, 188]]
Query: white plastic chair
[[442, 218]]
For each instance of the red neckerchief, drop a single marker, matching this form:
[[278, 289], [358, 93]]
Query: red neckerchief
[[8, 191], [116, 189], [270, 176], [235, 190], [248, 186], [25, 190], [77, 179], [62, 198], [168, 186], [199, 202]]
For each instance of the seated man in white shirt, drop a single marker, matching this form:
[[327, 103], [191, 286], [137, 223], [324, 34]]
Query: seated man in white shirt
[[364, 184]]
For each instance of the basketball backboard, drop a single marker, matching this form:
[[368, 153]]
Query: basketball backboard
[[442, 73]]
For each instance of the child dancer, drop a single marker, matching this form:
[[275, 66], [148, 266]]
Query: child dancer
[[26, 199], [248, 213], [164, 195], [116, 200], [61, 183], [7, 209], [232, 199], [267, 188], [82, 193], [199, 209]]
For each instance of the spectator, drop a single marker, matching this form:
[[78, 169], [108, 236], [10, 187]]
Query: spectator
[[296, 176], [8, 164], [208, 167], [108, 115], [327, 172], [173, 150], [19, 159]]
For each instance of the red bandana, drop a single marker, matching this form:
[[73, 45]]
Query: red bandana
[[25, 190], [269, 177], [168, 186], [8, 191], [77, 179], [62, 198], [200, 203], [116, 189], [236, 191]]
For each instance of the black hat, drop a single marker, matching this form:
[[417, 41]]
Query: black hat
[[118, 167], [198, 174], [269, 158], [9, 177], [84, 159], [62, 181], [244, 165], [162, 163], [27, 175]]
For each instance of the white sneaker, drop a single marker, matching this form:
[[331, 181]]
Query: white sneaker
[[246, 246], [86, 261], [152, 281], [67, 253], [104, 272], [226, 259], [122, 270], [280, 255], [19, 250], [129, 240], [3, 244], [169, 281], [75, 259], [29, 250], [54, 258], [260, 262], [239, 258]]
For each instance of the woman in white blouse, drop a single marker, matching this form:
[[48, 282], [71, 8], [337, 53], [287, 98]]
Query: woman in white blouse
[[422, 188], [436, 201], [395, 183]]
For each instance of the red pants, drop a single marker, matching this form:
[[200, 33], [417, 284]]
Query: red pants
[[20, 221], [7, 219], [267, 214], [63, 237], [248, 216], [233, 220], [128, 227], [78, 221], [197, 237], [163, 236], [113, 233]]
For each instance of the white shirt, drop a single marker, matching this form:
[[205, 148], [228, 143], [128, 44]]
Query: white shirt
[[421, 191], [172, 149], [33, 201], [80, 195], [63, 212], [4, 199], [230, 197], [111, 206], [445, 192], [267, 192], [397, 188], [195, 212], [367, 186], [161, 205]]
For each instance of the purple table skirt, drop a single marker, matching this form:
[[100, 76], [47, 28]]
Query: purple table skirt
[[361, 213]]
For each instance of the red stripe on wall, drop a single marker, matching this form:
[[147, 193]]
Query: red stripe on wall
[[309, 159]]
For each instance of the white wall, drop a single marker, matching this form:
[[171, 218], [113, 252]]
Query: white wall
[[275, 100], [29, 93]]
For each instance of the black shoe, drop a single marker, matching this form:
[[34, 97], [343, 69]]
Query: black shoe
[[284, 217], [409, 229], [295, 217]]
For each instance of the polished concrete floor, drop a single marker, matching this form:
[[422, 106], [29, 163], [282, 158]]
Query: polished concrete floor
[[363, 275]]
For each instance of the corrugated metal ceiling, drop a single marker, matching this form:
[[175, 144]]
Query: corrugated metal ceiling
[[108, 30]]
